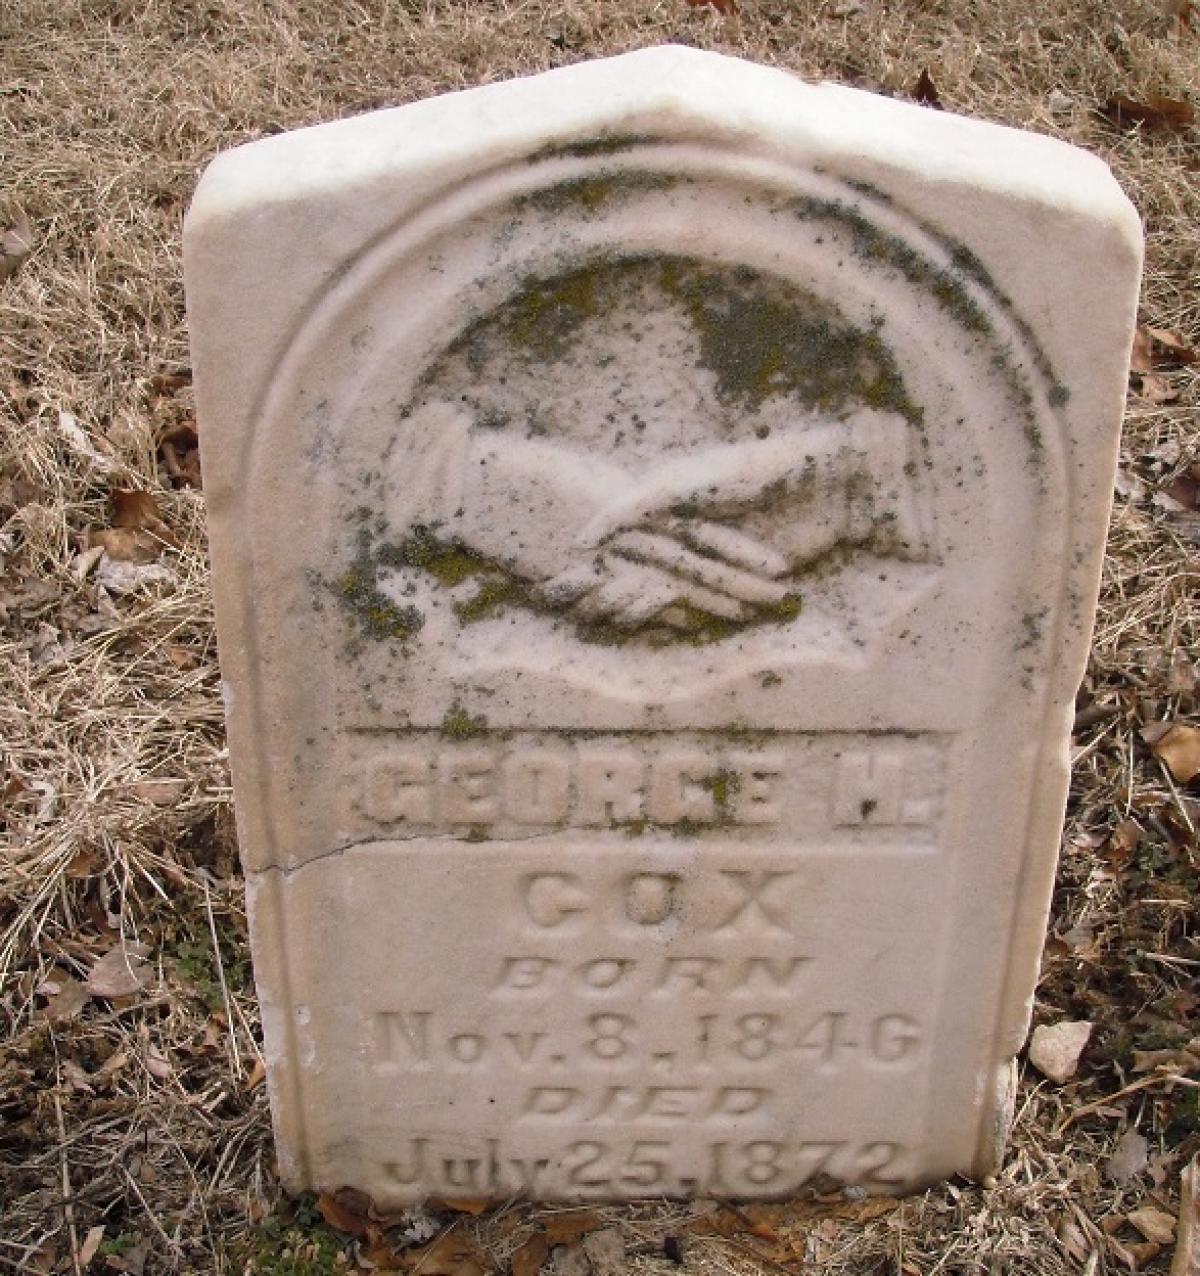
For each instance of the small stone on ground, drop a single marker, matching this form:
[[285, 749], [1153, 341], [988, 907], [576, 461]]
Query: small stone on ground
[[1054, 1049]]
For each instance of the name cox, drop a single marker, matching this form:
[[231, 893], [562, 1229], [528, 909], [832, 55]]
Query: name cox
[[728, 900]]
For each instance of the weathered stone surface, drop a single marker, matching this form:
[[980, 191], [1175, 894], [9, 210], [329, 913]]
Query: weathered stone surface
[[656, 511]]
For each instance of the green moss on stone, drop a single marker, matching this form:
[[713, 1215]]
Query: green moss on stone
[[544, 317], [724, 785], [787, 608], [376, 615], [490, 597], [687, 828], [448, 562], [586, 196], [700, 627], [760, 338], [458, 724], [603, 144], [950, 288]]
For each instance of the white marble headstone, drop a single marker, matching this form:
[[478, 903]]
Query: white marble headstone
[[656, 514]]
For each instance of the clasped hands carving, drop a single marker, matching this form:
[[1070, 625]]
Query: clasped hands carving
[[726, 529]]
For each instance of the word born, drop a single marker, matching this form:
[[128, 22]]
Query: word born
[[663, 976], [553, 781]]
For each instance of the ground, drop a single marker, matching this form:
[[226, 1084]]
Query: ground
[[134, 1134]]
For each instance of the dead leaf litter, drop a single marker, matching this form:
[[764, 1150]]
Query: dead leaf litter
[[134, 1125]]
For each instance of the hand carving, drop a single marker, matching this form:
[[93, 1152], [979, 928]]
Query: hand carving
[[590, 538]]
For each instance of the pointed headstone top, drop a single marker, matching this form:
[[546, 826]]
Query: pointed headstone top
[[656, 513]]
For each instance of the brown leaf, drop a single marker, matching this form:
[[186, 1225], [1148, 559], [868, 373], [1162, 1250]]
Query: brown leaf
[[925, 91], [76, 1078], [567, 1227], [1123, 842], [1132, 1255], [1073, 1239], [180, 656], [212, 1038], [1185, 488], [16, 243], [165, 383], [465, 1204], [761, 1221], [15, 494], [528, 1259], [164, 792], [346, 1210], [256, 1076], [1155, 388], [83, 562], [132, 1261], [1184, 676], [13, 788], [1141, 356], [43, 1260], [157, 1063], [1181, 1059], [379, 1256], [1155, 1225], [134, 509], [1156, 113], [126, 544], [450, 1255], [1143, 1252], [90, 1246], [116, 1062], [1171, 346], [1129, 1158], [65, 996], [180, 450], [1187, 1248], [1178, 746], [721, 1222], [139, 511], [121, 972], [1159, 349], [721, 6]]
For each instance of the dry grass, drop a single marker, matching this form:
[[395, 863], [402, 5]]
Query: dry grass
[[142, 1115]]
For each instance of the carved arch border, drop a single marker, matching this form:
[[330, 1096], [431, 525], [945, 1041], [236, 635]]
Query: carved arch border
[[921, 259]]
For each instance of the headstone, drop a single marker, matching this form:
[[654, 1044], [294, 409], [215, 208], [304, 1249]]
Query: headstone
[[656, 514]]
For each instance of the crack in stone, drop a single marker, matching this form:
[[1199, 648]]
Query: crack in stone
[[289, 870]]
